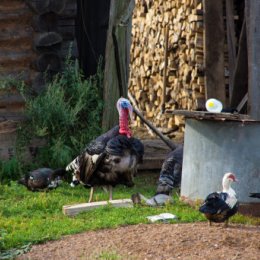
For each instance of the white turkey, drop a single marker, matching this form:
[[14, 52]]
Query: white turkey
[[42, 179], [110, 159], [220, 206]]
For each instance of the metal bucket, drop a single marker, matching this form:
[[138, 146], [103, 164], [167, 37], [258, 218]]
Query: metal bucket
[[212, 148]]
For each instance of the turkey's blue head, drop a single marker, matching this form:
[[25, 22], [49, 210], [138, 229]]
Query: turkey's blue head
[[125, 110]]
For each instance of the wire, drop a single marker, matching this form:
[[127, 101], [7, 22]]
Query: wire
[[85, 30]]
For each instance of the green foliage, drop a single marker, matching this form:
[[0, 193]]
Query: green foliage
[[67, 115], [9, 170], [9, 84], [33, 217], [108, 256]]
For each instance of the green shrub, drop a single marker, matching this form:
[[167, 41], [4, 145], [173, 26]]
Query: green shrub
[[10, 170], [66, 115]]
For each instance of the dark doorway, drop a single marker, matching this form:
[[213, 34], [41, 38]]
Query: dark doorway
[[91, 33]]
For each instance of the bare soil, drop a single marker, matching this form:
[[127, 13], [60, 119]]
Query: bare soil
[[155, 242]]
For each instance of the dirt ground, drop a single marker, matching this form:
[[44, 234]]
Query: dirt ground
[[155, 242]]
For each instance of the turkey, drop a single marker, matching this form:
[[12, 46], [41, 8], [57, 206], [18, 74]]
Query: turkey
[[220, 206], [170, 175], [111, 158], [42, 179], [254, 195]]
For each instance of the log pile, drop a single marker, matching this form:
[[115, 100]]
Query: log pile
[[166, 67]]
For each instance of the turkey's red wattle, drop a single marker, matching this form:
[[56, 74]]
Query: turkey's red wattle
[[123, 123]]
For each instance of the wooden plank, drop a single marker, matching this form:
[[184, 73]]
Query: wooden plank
[[252, 14], [150, 125], [72, 210], [241, 70], [231, 42], [212, 116], [116, 60], [242, 103], [166, 37], [214, 50]]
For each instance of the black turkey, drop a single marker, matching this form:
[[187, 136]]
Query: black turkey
[[42, 179], [110, 159], [170, 177], [220, 206], [171, 171], [254, 195]]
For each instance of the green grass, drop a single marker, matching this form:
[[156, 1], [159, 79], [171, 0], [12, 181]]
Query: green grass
[[33, 217]]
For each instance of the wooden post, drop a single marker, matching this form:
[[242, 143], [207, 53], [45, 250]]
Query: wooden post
[[116, 59], [166, 36], [240, 71], [165, 139], [231, 42], [214, 50], [252, 14]]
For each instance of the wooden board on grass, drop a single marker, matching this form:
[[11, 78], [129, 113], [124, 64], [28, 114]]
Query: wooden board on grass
[[72, 210]]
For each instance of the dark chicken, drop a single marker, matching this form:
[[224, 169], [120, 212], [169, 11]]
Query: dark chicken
[[42, 179], [110, 159], [220, 206]]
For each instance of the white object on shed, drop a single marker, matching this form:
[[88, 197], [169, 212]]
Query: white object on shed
[[214, 106]]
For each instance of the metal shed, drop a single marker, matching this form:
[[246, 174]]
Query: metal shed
[[223, 142]]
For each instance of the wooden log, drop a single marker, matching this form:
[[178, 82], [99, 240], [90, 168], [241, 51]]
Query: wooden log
[[45, 22], [165, 68], [214, 54], [231, 42], [48, 62], [240, 75], [70, 10], [153, 128], [72, 210], [47, 39], [57, 6], [10, 99], [39, 6], [11, 35], [252, 16]]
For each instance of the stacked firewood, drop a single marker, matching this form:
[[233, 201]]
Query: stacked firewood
[[166, 68]]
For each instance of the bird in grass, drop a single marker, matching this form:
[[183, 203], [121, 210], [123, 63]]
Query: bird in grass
[[42, 179], [111, 158], [220, 206]]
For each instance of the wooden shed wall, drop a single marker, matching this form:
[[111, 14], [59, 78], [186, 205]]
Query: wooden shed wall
[[35, 37]]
